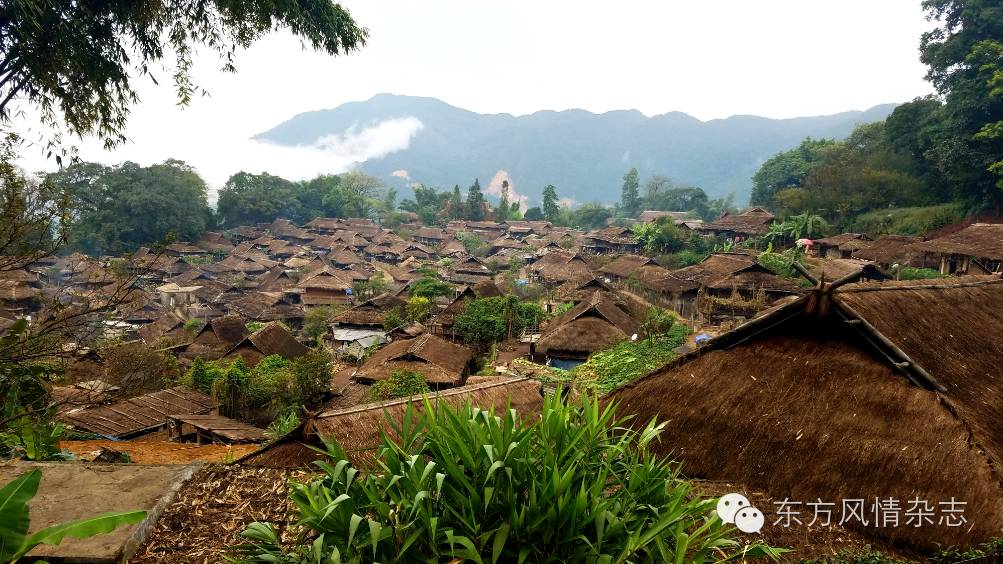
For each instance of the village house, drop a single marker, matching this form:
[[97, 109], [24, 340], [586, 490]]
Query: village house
[[752, 222], [610, 240], [840, 246], [442, 363], [976, 249], [271, 339], [592, 325], [840, 377]]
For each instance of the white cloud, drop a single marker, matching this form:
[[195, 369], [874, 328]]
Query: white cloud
[[401, 174], [494, 188], [331, 154]]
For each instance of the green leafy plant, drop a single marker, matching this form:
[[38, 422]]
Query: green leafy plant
[[15, 541], [627, 361], [466, 484], [282, 425], [400, 384]]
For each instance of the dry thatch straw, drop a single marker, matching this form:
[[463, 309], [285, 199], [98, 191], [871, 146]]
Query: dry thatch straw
[[357, 429], [441, 363], [807, 406], [592, 325]]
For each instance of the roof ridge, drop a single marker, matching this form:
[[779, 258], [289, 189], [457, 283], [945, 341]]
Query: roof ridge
[[929, 286]]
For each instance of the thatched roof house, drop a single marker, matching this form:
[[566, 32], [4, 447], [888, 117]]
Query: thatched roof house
[[442, 363], [271, 339], [325, 285], [593, 325], [893, 249], [842, 245], [751, 222], [889, 390], [139, 415], [582, 289], [369, 313], [976, 249], [357, 429], [169, 328], [215, 338], [625, 266], [556, 268]]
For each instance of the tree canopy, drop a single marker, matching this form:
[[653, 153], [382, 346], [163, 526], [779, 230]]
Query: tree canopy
[[120, 208], [76, 61]]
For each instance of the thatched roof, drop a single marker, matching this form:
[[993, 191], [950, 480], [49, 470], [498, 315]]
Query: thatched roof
[[438, 360], [166, 325], [357, 429], [843, 239], [981, 240], [715, 267], [581, 289], [326, 278], [138, 415], [487, 289], [271, 339], [845, 379], [370, 312], [892, 249], [592, 325], [626, 265], [834, 269], [753, 221]]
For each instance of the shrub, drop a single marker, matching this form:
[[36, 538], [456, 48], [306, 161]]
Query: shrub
[[418, 309], [315, 321], [253, 326], [430, 287], [912, 273], [627, 361], [400, 384], [312, 376], [908, 221], [465, 484], [489, 320], [194, 325], [282, 426]]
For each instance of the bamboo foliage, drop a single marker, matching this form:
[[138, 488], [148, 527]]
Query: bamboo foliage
[[466, 484]]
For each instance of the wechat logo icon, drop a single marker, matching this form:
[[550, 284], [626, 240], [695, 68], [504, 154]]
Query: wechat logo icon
[[734, 508]]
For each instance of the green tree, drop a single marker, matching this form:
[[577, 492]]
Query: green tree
[[533, 214], [248, 198], [118, 209], [476, 204], [660, 236], [592, 216], [75, 62], [963, 58], [456, 207], [400, 384], [551, 209], [786, 170], [418, 309], [504, 209], [489, 320], [630, 198]]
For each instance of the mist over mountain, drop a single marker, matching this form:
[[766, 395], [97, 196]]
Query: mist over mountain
[[585, 155]]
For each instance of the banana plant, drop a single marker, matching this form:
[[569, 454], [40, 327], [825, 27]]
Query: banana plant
[[15, 541]]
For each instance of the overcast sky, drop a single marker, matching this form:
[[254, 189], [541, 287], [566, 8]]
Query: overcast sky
[[710, 59]]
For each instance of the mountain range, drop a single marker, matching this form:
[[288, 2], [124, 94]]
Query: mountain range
[[583, 154]]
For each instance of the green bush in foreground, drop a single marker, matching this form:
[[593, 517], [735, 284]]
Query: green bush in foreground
[[464, 484]]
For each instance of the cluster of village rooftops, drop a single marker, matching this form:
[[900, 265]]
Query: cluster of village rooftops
[[846, 383]]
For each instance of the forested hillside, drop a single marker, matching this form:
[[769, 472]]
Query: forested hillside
[[583, 152]]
